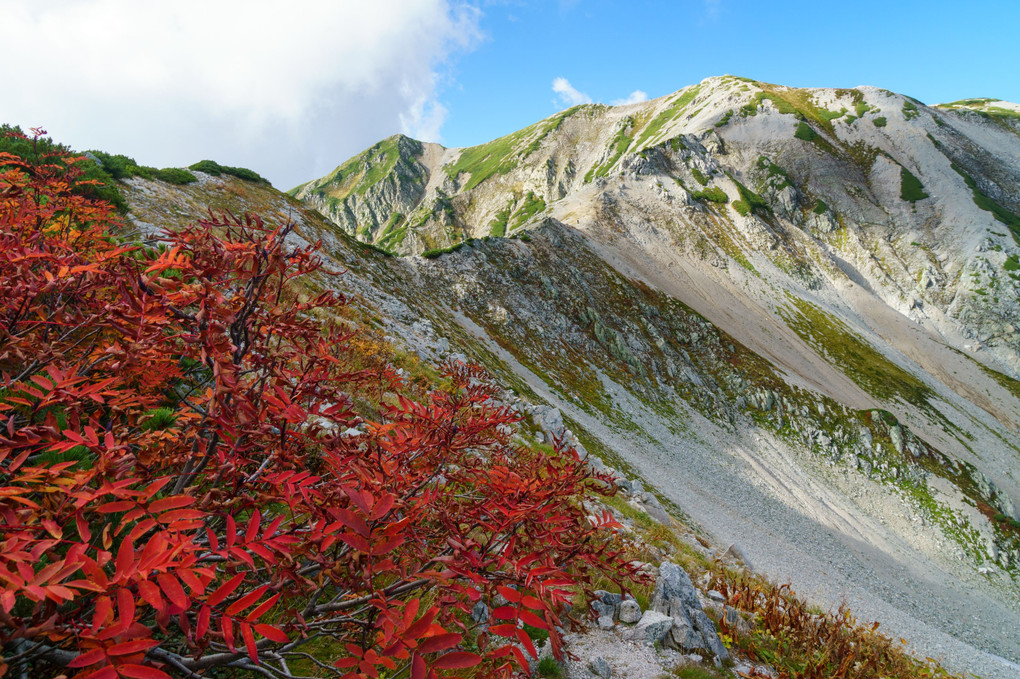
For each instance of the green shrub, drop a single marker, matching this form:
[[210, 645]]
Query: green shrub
[[910, 110], [725, 119], [986, 203], [498, 224], [207, 166], [549, 667], [741, 207], [532, 205], [911, 188], [699, 177], [880, 121], [749, 199], [820, 207], [174, 175], [1012, 263], [436, 252], [713, 194], [118, 166], [805, 132], [211, 167], [159, 419], [34, 152]]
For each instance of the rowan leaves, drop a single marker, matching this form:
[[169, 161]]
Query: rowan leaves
[[176, 490]]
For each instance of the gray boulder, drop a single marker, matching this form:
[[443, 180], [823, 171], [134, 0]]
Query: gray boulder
[[685, 638], [630, 611], [706, 627], [674, 583], [653, 627], [600, 668]]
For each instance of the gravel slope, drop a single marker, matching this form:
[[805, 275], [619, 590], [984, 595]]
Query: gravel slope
[[832, 548]]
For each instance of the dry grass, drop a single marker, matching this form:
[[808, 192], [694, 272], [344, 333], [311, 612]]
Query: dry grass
[[803, 643]]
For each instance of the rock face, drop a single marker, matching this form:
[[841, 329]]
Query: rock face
[[690, 630]]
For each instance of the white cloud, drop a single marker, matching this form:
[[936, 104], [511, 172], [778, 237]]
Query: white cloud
[[289, 91], [567, 94], [635, 97]]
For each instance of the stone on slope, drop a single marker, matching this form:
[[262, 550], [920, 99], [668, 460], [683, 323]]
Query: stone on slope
[[630, 611], [674, 583], [653, 627], [706, 627]]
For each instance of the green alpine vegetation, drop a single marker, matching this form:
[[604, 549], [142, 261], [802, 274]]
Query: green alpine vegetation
[[670, 113], [911, 188], [712, 194], [983, 201], [620, 144]]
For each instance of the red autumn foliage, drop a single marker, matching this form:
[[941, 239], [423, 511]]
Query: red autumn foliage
[[185, 484]]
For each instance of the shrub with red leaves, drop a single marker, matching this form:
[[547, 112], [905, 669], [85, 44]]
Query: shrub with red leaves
[[184, 483]]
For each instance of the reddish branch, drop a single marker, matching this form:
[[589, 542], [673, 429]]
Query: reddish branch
[[177, 492]]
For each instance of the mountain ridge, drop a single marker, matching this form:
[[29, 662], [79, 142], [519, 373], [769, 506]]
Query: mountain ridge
[[819, 355]]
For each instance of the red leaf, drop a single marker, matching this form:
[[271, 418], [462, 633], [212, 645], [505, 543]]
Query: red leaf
[[439, 643], [104, 606], [456, 660], [150, 593], [225, 590], [88, 658], [202, 623], [530, 618], [253, 526], [228, 633], [262, 608], [118, 506], [247, 600], [129, 647], [509, 631], [525, 640], [418, 669], [272, 633], [173, 590], [134, 671], [511, 595], [168, 503], [125, 560], [249, 642], [125, 607]]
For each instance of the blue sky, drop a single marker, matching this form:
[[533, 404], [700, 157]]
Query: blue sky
[[292, 93], [935, 51]]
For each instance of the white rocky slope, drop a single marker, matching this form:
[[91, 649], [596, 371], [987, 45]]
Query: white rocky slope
[[819, 372]]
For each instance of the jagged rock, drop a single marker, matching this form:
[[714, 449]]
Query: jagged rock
[[604, 610], [737, 554], [611, 598], [630, 611], [716, 595], [685, 638], [706, 627], [606, 622], [653, 627], [480, 612], [735, 620], [600, 668], [658, 513], [896, 436], [674, 583]]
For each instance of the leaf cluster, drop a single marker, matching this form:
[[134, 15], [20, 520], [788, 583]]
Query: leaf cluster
[[187, 484]]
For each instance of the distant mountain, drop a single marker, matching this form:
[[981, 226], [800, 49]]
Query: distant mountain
[[793, 312]]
